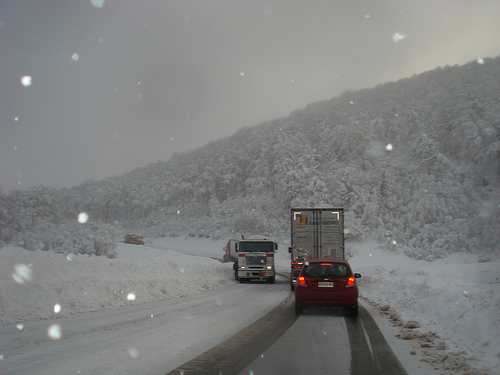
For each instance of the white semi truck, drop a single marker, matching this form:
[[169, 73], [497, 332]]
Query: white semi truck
[[253, 258], [315, 233]]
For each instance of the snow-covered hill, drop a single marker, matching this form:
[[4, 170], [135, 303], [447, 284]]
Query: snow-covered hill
[[416, 162], [450, 307]]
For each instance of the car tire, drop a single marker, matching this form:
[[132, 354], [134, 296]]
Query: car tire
[[354, 310], [298, 309]]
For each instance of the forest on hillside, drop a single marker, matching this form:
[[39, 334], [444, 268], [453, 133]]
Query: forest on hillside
[[415, 163]]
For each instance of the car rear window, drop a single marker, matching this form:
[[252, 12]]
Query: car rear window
[[326, 270]]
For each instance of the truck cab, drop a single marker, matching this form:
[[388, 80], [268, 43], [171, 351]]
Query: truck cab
[[253, 258]]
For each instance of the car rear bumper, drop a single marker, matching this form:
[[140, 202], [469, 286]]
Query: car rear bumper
[[348, 298]]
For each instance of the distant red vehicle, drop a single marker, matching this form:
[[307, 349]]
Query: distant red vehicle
[[133, 239], [327, 282]]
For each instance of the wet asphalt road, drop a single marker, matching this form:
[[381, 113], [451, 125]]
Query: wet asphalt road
[[282, 343]]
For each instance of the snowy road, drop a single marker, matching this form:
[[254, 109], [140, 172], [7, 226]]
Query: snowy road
[[321, 341], [157, 338], [150, 338], [73, 315], [240, 325], [326, 341]]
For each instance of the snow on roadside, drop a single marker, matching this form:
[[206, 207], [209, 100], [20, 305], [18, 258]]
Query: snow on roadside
[[450, 308], [36, 285]]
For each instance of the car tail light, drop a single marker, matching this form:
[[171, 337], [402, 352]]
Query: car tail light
[[301, 281], [350, 281]]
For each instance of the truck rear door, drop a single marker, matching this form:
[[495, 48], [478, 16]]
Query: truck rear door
[[319, 231]]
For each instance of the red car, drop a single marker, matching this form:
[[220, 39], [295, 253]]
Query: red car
[[327, 282]]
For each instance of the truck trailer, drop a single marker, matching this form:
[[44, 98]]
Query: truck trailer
[[253, 258], [315, 233]]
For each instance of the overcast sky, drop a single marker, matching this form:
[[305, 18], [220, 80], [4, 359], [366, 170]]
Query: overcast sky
[[118, 84]]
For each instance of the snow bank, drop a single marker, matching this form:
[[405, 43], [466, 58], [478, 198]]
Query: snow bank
[[34, 284], [450, 307]]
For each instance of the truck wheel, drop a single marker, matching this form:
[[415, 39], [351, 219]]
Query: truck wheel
[[270, 280], [235, 268], [292, 287]]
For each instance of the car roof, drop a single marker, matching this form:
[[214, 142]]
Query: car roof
[[322, 260]]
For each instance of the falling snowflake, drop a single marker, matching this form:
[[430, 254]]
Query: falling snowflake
[[54, 332], [98, 3], [83, 217], [398, 36], [22, 273], [26, 81]]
